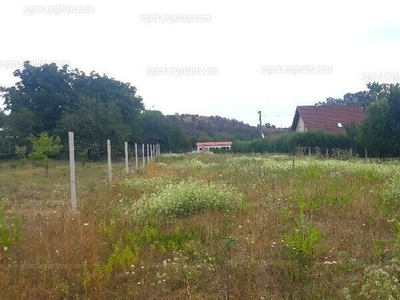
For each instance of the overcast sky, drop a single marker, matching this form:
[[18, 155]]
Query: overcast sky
[[226, 58]]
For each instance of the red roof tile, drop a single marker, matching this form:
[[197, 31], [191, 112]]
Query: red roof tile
[[327, 117]]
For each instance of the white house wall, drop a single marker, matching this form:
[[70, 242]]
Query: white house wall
[[301, 127], [200, 148]]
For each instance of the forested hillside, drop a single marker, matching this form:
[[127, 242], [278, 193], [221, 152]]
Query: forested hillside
[[213, 128]]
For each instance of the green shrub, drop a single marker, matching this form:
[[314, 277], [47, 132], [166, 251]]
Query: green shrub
[[290, 142], [185, 199], [301, 244], [98, 275]]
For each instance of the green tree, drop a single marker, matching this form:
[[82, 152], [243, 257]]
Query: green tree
[[177, 140], [105, 89], [2, 119], [154, 129], [2, 134], [375, 92], [268, 125], [46, 94], [363, 98], [375, 131], [44, 147], [93, 123], [394, 119], [380, 131], [21, 151], [22, 123]]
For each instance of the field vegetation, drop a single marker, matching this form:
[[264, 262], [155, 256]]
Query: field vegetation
[[202, 226]]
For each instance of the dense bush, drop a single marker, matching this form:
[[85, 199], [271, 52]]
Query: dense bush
[[184, 199], [289, 142]]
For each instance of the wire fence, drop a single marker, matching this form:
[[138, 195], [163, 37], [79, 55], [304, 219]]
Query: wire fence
[[148, 152]]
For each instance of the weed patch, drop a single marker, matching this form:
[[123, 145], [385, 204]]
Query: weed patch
[[10, 228], [185, 199]]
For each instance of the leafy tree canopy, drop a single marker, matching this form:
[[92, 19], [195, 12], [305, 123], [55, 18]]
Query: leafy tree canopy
[[157, 128], [56, 100], [45, 93], [380, 131], [44, 147], [375, 91]]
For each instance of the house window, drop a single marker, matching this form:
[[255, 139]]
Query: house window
[[339, 125]]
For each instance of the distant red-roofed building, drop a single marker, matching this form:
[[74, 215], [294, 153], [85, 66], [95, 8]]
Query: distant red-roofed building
[[204, 146], [329, 118]]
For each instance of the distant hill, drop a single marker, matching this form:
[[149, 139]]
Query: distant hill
[[213, 128]]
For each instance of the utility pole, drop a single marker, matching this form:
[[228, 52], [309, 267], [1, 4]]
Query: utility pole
[[259, 116]]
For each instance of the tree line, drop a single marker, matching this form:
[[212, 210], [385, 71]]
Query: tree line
[[96, 107]]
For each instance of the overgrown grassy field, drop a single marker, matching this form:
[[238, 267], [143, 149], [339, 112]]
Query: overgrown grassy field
[[202, 227]]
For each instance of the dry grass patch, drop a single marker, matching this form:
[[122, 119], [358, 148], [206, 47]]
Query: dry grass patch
[[330, 211]]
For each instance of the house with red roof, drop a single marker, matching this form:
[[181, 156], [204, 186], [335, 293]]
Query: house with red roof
[[204, 146], [329, 118]]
